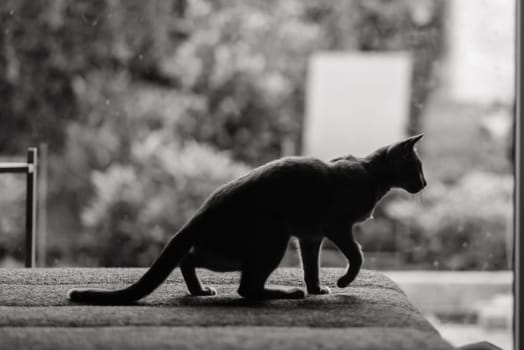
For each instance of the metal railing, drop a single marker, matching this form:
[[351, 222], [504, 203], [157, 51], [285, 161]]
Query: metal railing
[[30, 168]]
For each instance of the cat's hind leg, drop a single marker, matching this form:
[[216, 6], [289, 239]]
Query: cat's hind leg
[[262, 262], [188, 265], [252, 287]]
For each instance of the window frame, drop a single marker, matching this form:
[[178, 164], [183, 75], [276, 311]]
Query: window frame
[[519, 185]]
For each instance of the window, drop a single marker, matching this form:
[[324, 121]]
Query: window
[[141, 110]]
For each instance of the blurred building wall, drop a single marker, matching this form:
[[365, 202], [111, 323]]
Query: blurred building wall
[[356, 102], [480, 37]]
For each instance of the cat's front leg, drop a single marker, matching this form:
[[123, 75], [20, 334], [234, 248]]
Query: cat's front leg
[[347, 244], [310, 253]]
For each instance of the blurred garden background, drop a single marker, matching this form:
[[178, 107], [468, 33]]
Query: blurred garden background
[[143, 108]]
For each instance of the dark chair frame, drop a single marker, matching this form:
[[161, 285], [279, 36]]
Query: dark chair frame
[[30, 168]]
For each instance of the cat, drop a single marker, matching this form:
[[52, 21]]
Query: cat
[[246, 224]]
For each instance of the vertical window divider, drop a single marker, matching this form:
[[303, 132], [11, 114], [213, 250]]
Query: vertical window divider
[[519, 186]]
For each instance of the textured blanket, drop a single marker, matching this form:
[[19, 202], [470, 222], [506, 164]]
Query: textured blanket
[[372, 313]]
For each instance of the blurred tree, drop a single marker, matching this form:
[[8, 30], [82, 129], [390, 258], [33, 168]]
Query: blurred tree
[[49, 49], [97, 80], [413, 26], [36, 95], [248, 59]]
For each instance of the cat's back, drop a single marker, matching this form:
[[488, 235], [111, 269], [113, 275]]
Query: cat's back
[[284, 181], [290, 169], [281, 173], [349, 168]]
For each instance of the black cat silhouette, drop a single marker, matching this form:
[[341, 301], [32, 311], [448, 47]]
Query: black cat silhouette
[[246, 224]]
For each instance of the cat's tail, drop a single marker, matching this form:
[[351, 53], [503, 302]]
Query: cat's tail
[[170, 257]]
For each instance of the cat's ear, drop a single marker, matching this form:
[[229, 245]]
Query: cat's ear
[[413, 139], [409, 144], [404, 148]]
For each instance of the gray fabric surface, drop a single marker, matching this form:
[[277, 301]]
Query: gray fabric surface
[[372, 313], [216, 338]]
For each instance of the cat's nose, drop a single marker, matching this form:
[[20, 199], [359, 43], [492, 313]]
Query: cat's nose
[[423, 181]]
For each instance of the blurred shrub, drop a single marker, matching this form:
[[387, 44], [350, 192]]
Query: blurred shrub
[[460, 226], [141, 180], [249, 61], [12, 217], [98, 80], [138, 206]]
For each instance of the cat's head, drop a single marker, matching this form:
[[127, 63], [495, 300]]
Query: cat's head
[[405, 166]]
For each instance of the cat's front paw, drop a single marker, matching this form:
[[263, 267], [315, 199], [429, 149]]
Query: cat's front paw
[[319, 290], [343, 282]]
